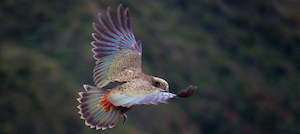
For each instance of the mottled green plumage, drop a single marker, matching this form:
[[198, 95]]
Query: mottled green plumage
[[125, 67]]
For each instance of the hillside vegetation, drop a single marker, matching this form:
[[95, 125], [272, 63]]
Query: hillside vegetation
[[244, 56]]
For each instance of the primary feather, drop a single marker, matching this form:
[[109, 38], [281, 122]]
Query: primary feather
[[117, 53]]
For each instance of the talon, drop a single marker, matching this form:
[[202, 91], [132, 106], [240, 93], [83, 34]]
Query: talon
[[124, 118]]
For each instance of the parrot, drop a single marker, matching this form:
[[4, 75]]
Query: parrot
[[118, 59]]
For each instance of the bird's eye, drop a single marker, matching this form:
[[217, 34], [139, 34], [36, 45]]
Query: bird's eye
[[156, 84]]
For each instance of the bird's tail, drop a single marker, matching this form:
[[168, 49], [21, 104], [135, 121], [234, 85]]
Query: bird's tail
[[96, 110]]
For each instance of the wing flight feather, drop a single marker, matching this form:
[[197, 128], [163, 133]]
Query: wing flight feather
[[117, 53]]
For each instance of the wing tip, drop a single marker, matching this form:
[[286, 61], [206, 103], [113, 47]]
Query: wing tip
[[99, 14], [86, 87], [120, 5], [94, 24], [94, 36]]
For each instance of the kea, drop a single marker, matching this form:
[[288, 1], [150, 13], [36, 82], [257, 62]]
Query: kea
[[118, 59]]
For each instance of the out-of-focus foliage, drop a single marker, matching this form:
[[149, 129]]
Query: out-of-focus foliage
[[244, 56]]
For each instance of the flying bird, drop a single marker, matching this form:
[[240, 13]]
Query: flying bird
[[118, 59]]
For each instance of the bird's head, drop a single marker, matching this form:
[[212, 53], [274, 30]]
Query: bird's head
[[160, 83]]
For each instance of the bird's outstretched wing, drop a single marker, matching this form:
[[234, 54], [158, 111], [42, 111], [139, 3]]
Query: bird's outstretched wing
[[117, 53]]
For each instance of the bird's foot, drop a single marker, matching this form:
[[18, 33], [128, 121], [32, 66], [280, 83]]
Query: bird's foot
[[124, 118]]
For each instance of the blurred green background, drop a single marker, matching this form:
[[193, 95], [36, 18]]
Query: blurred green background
[[244, 56]]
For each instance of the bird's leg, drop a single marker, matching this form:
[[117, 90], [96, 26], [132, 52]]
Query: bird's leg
[[124, 118]]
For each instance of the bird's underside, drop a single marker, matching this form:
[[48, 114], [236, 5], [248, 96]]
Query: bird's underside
[[118, 59]]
